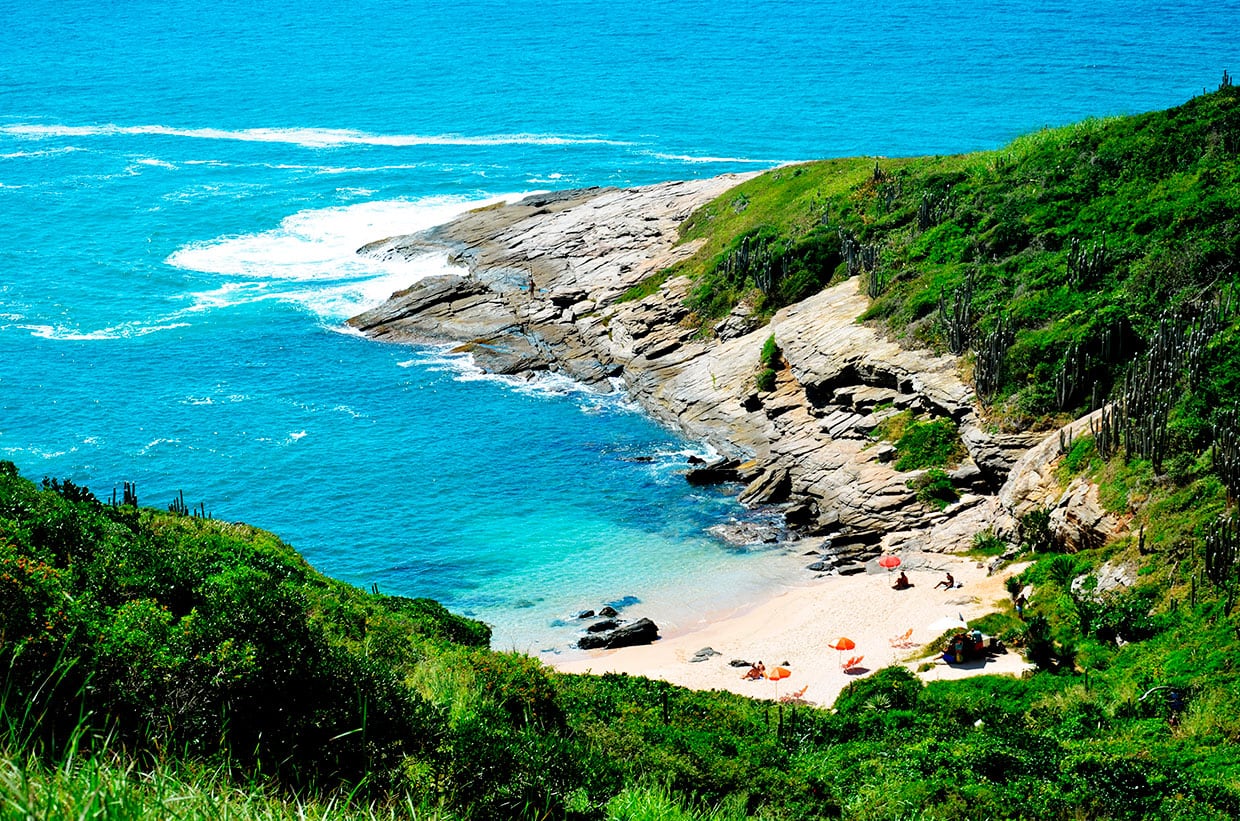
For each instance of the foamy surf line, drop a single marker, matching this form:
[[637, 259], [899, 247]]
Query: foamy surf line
[[310, 258], [305, 137]]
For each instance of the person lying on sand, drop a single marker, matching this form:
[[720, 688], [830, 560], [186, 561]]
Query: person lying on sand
[[756, 671]]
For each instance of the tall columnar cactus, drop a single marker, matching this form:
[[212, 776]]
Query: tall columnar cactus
[[858, 256], [989, 360], [755, 258], [958, 320], [1071, 376], [1226, 452], [1086, 265], [1222, 556], [932, 210]]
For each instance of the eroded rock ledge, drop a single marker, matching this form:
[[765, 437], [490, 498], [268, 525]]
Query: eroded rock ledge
[[541, 286]]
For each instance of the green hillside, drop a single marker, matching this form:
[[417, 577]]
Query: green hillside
[[160, 665]]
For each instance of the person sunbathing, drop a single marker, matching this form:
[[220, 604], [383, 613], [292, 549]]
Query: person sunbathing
[[946, 584], [902, 582], [755, 672]]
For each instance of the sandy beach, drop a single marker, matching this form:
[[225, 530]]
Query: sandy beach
[[795, 628]]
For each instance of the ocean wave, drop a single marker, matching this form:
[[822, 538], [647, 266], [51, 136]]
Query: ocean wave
[[689, 158], [310, 259], [127, 330], [304, 137]]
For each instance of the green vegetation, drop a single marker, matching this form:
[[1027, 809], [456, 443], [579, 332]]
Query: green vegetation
[[1053, 260], [158, 664], [934, 488], [161, 664], [769, 362], [921, 443]]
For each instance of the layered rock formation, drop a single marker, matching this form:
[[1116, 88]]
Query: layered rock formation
[[548, 284]]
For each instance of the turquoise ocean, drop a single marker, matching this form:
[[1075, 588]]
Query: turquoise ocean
[[183, 185]]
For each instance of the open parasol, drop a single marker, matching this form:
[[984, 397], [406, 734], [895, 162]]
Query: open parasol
[[840, 645], [775, 675], [889, 562]]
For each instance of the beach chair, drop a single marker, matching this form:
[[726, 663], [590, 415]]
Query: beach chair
[[855, 661], [903, 640], [794, 696]]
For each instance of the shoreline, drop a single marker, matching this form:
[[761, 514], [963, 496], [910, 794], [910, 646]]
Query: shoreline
[[793, 627]]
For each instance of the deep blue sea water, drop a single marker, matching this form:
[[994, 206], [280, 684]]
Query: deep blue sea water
[[182, 186]]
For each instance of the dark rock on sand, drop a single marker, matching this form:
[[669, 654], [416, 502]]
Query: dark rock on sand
[[642, 631]]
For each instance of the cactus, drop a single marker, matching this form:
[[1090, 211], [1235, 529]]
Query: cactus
[[1070, 377], [957, 322], [1222, 557], [932, 210], [988, 364], [858, 256], [1226, 82], [755, 258], [1086, 265], [1226, 452], [178, 505]]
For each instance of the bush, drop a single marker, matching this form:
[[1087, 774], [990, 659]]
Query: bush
[[931, 444], [765, 380], [934, 488]]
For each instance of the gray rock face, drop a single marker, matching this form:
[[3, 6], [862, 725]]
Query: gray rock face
[[543, 287]]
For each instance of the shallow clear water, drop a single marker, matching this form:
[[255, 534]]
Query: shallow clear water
[[183, 186]]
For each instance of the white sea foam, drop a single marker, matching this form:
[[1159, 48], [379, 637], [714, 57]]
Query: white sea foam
[[126, 330], [311, 258], [155, 162], [689, 158], [305, 137]]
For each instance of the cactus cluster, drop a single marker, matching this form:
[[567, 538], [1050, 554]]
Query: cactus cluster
[[129, 497], [1138, 418], [755, 258], [958, 319], [179, 507], [1081, 362], [1087, 264], [990, 356], [1226, 452], [932, 210], [858, 256], [1222, 555]]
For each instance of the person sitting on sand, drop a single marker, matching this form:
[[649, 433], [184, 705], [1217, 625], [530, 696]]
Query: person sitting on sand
[[946, 584], [902, 582], [755, 672]]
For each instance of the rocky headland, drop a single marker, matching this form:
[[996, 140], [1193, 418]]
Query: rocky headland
[[550, 283]]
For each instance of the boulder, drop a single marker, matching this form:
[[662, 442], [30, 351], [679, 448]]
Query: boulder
[[642, 631]]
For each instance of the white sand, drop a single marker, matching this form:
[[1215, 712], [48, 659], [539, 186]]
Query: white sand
[[796, 626]]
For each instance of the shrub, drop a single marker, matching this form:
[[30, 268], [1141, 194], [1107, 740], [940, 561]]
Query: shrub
[[934, 488], [934, 443], [765, 380]]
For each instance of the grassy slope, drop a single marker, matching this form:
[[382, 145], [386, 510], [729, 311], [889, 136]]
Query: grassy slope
[[1157, 191], [156, 661]]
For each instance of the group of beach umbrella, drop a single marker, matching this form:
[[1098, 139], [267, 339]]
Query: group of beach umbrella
[[840, 644]]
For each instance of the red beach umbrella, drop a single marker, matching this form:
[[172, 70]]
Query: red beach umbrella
[[889, 562]]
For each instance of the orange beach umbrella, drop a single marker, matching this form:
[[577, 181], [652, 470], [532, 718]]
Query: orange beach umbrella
[[775, 675], [889, 561], [841, 644]]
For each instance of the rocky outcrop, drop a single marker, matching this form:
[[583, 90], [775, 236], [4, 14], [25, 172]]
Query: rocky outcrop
[[642, 631], [546, 284]]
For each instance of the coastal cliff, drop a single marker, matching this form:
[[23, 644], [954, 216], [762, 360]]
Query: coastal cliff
[[551, 283]]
